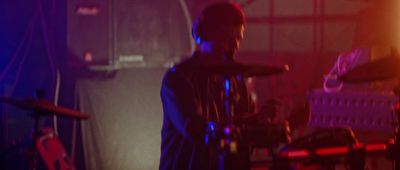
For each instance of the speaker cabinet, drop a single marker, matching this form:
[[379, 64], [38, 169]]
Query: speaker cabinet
[[126, 32]]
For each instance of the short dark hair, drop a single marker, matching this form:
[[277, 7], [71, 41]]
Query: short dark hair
[[217, 15]]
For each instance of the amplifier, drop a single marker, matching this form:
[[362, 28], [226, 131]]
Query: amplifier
[[363, 110]]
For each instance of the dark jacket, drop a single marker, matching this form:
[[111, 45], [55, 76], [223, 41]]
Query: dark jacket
[[190, 100]]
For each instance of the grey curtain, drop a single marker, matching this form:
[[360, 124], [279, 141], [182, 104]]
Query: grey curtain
[[123, 131]]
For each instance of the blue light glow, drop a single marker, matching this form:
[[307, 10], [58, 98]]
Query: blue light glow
[[227, 85]]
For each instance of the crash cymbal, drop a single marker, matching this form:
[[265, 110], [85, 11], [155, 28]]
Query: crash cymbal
[[382, 69], [236, 68], [44, 107]]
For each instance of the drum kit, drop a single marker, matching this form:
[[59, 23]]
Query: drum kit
[[297, 152], [330, 146], [311, 149], [44, 141]]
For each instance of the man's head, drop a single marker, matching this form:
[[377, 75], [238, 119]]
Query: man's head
[[220, 28]]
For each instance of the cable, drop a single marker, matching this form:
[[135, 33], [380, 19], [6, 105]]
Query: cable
[[19, 69], [188, 23], [50, 52], [50, 56], [56, 97], [54, 69]]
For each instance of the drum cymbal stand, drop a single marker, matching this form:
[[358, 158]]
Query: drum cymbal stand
[[233, 152], [395, 150], [32, 153]]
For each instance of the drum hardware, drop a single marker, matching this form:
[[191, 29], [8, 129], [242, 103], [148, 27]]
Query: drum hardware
[[395, 148], [266, 135], [381, 69], [40, 108], [352, 152], [332, 137], [230, 141], [233, 151], [233, 68], [354, 155], [52, 151], [363, 109]]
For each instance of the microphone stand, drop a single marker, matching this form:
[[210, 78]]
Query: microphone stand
[[231, 157]]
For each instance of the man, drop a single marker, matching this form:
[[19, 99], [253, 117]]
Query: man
[[193, 98]]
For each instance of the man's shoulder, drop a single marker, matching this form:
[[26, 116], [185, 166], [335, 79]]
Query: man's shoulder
[[178, 69], [182, 67], [178, 75], [186, 62]]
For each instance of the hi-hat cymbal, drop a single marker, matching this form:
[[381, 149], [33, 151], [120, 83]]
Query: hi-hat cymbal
[[44, 107], [382, 69], [235, 68]]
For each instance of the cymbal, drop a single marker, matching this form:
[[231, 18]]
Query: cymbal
[[381, 69], [235, 68], [44, 107]]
